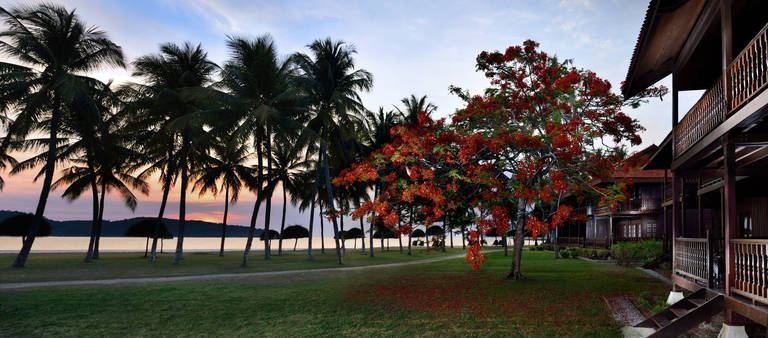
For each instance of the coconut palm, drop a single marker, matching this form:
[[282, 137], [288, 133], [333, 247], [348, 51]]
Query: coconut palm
[[413, 106], [226, 164], [255, 75], [289, 167], [332, 85], [177, 82], [53, 50]]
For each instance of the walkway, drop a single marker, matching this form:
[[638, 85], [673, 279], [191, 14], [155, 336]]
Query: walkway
[[7, 286]]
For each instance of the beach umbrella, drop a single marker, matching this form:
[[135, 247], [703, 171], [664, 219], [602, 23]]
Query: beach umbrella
[[146, 228], [295, 232]]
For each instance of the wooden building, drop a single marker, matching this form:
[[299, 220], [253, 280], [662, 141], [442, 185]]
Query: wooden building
[[717, 197], [640, 217]]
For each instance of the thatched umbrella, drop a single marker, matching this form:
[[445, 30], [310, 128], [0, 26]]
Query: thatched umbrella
[[19, 226], [295, 232], [272, 235], [418, 233], [354, 233], [382, 233], [434, 230], [146, 228]]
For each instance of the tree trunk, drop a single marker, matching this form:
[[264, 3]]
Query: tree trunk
[[463, 238], [312, 209], [178, 256], [343, 239], [224, 221], [400, 240], [373, 219], [146, 248], [504, 240], [95, 192], [257, 204], [322, 230], [170, 168], [330, 194], [515, 272], [50, 165], [410, 224], [445, 228], [282, 224], [296, 241], [362, 230], [100, 222], [268, 207]]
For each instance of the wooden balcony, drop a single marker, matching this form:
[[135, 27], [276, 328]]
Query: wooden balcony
[[751, 269], [692, 259], [633, 206], [746, 76]]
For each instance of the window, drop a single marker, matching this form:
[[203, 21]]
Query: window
[[650, 229], [746, 225]]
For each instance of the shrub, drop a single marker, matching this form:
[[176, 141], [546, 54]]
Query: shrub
[[575, 253], [603, 254], [565, 253], [539, 248], [628, 253], [547, 247]]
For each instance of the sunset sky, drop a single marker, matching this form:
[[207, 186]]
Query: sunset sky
[[417, 47]]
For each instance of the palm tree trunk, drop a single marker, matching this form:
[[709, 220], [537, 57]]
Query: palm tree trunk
[[146, 247], [50, 165], [257, 204], [363, 234], [224, 223], [312, 210], [178, 256], [282, 224], [170, 168], [373, 219], [330, 193], [343, 239], [95, 192], [100, 221], [268, 207], [322, 230]]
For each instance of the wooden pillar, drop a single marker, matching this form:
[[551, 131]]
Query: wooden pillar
[[675, 214], [731, 218], [675, 111], [726, 38], [700, 210], [683, 211]]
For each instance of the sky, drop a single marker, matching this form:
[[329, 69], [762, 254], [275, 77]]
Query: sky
[[411, 47]]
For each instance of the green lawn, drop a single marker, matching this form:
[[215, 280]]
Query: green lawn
[[70, 266], [559, 298]]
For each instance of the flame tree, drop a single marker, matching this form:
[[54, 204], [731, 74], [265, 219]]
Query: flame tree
[[543, 129]]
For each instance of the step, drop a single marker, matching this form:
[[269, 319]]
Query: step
[[660, 320], [678, 312], [697, 301]]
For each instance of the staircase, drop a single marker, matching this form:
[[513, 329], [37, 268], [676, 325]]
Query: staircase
[[685, 314]]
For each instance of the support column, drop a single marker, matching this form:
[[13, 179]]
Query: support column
[[676, 182], [731, 218], [700, 210]]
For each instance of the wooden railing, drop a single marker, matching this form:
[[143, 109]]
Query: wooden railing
[[750, 259], [747, 73], [704, 116], [692, 259], [571, 241], [638, 204]]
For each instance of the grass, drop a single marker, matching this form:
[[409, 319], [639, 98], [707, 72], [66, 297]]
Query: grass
[[445, 298], [70, 266]]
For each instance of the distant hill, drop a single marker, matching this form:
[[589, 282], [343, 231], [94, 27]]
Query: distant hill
[[117, 228]]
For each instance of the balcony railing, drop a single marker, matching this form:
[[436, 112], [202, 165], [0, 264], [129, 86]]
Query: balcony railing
[[692, 259], [747, 75], [751, 265], [637, 204]]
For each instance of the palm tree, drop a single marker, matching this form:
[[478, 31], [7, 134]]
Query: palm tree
[[332, 83], [413, 106], [225, 164], [289, 168], [177, 80], [54, 49], [255, 75], [378, 134]]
